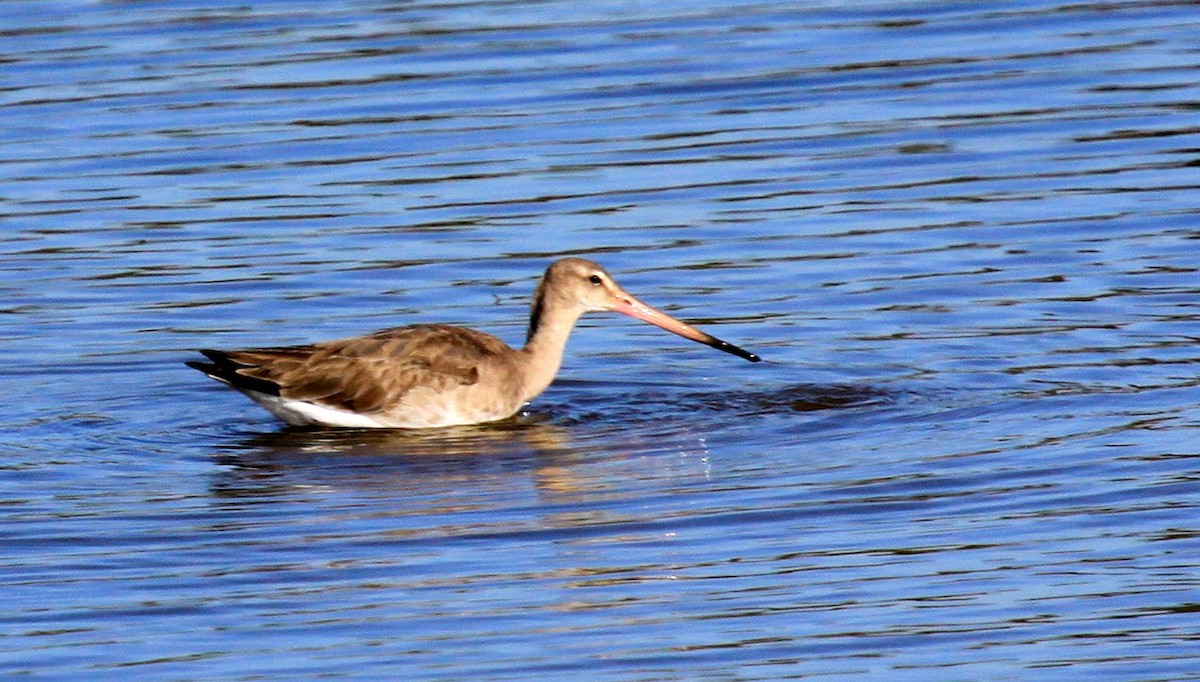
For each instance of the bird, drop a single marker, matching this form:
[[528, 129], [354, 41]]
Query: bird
[[434, 375]]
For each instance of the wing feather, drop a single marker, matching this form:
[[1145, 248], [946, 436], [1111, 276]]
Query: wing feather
[[365, 374]]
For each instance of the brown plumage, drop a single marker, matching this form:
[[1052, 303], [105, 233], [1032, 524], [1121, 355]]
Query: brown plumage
[[433, 375]]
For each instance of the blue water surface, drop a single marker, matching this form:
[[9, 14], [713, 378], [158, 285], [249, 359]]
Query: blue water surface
[[963, 236]]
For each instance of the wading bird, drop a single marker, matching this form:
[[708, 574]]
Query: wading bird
[[431, 375]]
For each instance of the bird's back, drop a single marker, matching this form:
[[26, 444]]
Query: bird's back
[[420, 375]]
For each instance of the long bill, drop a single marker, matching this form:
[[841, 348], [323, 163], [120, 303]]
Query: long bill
[[628, 305]]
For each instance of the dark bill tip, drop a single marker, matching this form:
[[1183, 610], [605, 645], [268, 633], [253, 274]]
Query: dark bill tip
[[734, 350]]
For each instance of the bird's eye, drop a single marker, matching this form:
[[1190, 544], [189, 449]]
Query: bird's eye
[[595, 279]]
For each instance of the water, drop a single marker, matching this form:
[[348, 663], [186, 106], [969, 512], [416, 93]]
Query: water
[[963, 235]]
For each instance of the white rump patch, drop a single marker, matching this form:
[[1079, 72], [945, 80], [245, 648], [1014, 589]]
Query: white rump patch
[[300, 413]]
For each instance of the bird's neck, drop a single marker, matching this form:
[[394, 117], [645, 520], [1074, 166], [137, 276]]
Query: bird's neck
[[549, 328]]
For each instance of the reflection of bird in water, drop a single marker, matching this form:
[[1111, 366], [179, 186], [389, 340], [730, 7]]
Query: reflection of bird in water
[[405, 461], [523, 436], [435, 375], [653, 433]]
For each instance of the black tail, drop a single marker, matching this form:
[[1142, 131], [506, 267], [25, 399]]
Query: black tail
[[225, 369]]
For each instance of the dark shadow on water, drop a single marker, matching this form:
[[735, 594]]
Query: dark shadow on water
[[593, 402], [806, 398]]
